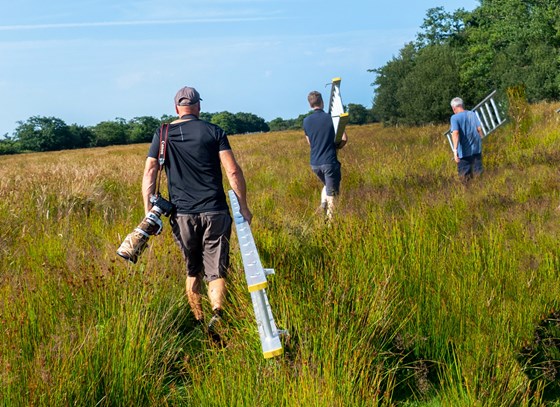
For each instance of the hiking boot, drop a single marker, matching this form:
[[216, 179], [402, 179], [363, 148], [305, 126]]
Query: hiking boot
[[216, 318], [213, 326]]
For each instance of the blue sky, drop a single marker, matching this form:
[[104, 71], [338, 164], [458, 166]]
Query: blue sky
[[94, 60]]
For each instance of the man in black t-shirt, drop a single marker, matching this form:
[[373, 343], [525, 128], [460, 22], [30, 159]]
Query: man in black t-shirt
[[196, 151], [320, 134]]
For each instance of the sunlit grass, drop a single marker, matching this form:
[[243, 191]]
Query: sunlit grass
[[422, 292]]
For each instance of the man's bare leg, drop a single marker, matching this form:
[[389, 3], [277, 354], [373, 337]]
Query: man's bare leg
[[194, 296], [330, 206], [217, 293], [324, 198]]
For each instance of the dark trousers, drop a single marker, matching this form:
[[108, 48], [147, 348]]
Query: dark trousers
[[330, 176], [467, 167]]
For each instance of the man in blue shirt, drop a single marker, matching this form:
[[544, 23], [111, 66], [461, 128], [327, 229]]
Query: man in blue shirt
[[319, 131], [466, 134]]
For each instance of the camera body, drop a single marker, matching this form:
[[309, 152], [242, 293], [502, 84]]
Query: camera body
[[136, 241], [162, 205]]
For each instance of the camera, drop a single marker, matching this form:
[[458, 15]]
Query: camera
[[136, 241]]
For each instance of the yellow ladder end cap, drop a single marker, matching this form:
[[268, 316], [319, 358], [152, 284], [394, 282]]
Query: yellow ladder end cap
[[271, 353], [257, 287]]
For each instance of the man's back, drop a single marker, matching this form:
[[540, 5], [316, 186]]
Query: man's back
[[466, 123], [319, 129], [193, 165]]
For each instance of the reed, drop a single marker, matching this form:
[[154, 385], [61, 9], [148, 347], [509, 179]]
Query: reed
[[421, 292]]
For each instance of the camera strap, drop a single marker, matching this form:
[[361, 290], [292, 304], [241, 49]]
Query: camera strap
[[162, 151], [163, 136]]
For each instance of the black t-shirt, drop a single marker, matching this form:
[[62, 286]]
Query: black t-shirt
[[319, 128], [193, 165]]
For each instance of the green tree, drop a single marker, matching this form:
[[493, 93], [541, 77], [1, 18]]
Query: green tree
[[207, 117], [357, 114], [226, 121], [298, 121], [81, 136], [250, 123], [43, 134], [167, 118], [141, 129], [110, 133], [424, 93], [280, 124], [9, 145], [501, 44], [515, 42], [441, 27], [389, 79]]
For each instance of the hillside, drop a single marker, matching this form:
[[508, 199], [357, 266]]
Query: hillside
[[423, 292]]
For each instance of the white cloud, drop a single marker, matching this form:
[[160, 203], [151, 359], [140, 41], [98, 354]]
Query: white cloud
[[194, 20]]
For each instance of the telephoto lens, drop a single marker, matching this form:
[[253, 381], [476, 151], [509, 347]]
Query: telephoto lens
[[133, 246], [136, 241]]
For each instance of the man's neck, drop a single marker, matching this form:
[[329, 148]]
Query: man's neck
[[185, 118]]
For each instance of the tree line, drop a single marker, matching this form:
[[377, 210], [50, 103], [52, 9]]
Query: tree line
[[502, 44], [39, 133]]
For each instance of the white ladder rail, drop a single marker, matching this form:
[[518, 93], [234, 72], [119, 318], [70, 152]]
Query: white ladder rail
[[336, 110], [255, 275]]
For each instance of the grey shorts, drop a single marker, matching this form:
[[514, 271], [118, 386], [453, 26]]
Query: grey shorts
[[204, 241]]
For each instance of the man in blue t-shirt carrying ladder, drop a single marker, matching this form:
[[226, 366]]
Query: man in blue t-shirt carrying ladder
[[466, 134], [320, 134]]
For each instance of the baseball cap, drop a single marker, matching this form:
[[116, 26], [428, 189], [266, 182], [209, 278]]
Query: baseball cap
[[187, 96]]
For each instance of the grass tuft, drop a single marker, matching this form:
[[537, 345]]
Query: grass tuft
[[423, 291]]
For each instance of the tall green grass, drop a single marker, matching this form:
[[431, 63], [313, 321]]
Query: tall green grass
[[422, 292]]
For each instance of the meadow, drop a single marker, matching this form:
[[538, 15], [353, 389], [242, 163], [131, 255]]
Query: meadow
[[422, 292]]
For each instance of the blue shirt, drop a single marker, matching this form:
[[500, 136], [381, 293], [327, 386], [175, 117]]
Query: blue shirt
[[470, 143], [319, 128]]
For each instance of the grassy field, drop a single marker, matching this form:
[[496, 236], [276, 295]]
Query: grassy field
[[424, 292]]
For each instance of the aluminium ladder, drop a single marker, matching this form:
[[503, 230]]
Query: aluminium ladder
[[488, 114], [336, 110], [255, 275]]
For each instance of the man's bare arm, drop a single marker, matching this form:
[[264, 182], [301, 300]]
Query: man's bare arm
[[455, 139], [149, 182], [236, 180], [343, 141]]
